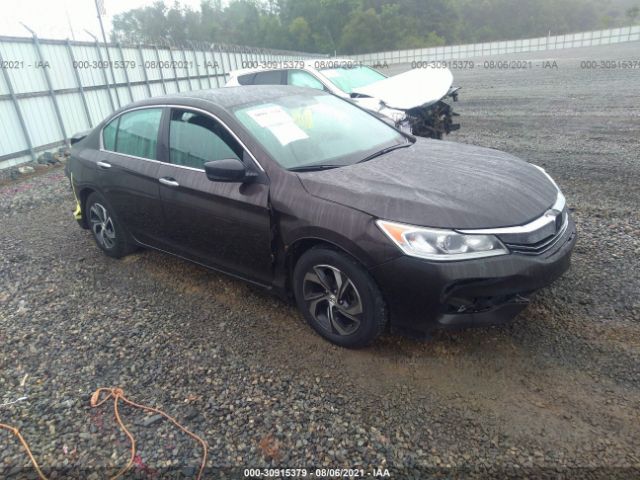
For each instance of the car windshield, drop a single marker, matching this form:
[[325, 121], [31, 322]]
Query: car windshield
[[348, 79], [305, 130]]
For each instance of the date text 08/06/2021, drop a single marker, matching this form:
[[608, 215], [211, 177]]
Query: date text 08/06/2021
[[377, 472]]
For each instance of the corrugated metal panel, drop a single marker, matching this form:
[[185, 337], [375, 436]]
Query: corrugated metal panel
[[99, 106], [4, 89], [139, 92], [117, 65], [30, 77], [171, 86], [75, 119], [125, 97], [135, 73], [165, 64], [61, 71], [156, 89], [150, 63], [86, 58], [12, 138], [40, 117]]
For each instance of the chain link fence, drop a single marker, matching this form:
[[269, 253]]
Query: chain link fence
[[51, 89]]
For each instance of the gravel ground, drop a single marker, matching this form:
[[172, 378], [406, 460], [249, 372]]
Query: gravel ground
[[555, 394]]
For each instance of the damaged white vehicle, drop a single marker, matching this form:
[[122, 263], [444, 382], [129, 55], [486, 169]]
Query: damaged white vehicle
[[413, 101]]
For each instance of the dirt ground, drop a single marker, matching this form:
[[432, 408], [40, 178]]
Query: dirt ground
[[555, 394]]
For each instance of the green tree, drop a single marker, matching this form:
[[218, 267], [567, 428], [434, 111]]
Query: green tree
[[356, 26], [300, 34], [363, 33], [633, 13]]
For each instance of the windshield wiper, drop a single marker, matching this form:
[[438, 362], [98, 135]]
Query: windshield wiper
[[311, 168], [385, 150]]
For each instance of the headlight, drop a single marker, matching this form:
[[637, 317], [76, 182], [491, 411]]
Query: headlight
[[442, 245]]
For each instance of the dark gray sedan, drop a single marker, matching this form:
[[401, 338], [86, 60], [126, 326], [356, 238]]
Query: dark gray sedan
[[309, 196]]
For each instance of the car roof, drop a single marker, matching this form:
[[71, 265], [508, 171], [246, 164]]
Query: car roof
[[229, 98]]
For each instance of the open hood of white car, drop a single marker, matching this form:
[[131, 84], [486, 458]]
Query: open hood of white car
[[417, 87]]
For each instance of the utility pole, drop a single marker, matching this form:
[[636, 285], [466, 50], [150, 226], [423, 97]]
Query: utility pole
[[66, 11], [100, 10]]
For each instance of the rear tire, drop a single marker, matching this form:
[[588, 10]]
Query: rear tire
[[108, 233], [338, 298]]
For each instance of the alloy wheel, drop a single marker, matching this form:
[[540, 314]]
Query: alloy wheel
[[102, 225], [332, 299]]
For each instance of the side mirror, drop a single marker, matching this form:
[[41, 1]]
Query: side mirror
[[226, 170]]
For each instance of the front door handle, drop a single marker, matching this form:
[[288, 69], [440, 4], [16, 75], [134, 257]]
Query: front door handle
[[103, 165], [169, 182]]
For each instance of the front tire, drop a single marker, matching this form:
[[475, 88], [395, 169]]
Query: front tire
[[338, 298], [108, 232]]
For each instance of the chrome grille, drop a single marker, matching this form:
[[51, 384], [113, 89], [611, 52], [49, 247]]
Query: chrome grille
[[536, 248], [535, 237]]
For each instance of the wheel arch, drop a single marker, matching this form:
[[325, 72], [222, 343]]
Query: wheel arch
[[298, 247], [83, 195]]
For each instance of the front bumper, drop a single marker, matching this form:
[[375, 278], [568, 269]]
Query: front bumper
[[423, 295]]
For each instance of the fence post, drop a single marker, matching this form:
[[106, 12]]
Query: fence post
[[106, 78], [195, 57], [173, 65], [52, 94], [144, 70], [215, 66], [186, 67], [126, 73], [206, 66], [164, 87], [16, 105], [228, 63], [242, 60], [79, 83]]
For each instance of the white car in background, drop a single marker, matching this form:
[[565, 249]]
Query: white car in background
[[412, 101]]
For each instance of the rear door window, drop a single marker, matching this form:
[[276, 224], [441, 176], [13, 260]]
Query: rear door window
[[195, 139], [134, 133]]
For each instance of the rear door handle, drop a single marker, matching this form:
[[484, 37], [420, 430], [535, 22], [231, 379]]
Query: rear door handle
[[104, 165], [169, 182]]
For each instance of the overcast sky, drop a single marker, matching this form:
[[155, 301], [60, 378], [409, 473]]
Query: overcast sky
[[48, 18]]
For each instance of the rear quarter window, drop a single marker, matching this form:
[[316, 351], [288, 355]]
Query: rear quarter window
[[246, 79], [273, 77], [109, 135]]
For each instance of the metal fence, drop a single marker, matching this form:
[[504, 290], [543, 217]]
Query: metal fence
[[51, 89], [550, 42]]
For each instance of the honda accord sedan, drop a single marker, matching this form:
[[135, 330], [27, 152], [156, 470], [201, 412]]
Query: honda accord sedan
[[305, 194]]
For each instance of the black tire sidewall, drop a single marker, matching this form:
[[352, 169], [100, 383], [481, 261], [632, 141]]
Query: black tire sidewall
[[121, 246], [374, 317]]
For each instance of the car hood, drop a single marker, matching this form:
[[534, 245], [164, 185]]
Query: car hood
[[417, 87], [439, 184]]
